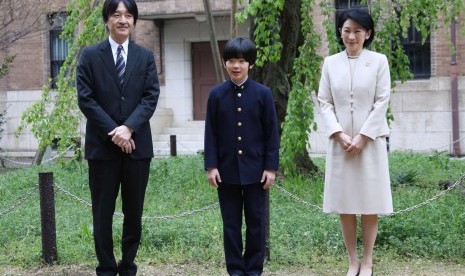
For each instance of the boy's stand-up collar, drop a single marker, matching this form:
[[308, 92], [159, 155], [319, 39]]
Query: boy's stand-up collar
[[238, 87]]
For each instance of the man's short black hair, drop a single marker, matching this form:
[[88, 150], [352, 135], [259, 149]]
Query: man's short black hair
[[110, 7], [362, 17], [239, 47]]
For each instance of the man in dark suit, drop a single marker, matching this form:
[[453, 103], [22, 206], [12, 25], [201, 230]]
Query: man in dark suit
[[118, 90], [241, 156]]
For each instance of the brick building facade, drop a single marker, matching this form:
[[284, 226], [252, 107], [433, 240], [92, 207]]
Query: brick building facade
[[174, 30]]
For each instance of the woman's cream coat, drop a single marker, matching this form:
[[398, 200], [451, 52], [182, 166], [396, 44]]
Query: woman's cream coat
[[354, 99]]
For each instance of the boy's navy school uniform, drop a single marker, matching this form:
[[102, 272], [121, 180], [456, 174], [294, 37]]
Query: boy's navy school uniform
[[241, 141]]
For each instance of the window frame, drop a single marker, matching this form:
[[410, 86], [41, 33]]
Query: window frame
[[418, 53], [58, 47]]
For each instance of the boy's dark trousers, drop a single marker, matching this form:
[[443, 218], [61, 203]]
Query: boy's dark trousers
[[233, 200]]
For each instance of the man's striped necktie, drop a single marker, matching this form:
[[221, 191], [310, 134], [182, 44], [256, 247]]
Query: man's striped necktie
[[120, 64]]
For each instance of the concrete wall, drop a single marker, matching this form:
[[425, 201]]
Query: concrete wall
[[179, 8]]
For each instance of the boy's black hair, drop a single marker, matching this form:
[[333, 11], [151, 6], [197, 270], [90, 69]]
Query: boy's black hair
[[239, 47], [110, 7], [362, 17]]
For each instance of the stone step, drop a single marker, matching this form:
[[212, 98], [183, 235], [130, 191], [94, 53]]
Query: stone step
[[195, 124], [182, 148], [183, 130], [189, 138], [167, 152], [180, 137]]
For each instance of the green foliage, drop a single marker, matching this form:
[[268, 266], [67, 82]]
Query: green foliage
[[404, 177], [266, 28], [5, 65], [299, 234], [300, 114], [393, 20], [328, 11], [56, 114], [440, 159]]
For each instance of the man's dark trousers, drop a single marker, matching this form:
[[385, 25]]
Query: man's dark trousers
[[105, 179]]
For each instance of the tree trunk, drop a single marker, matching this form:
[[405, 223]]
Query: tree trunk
[[213, 42], [277, 76], [38, 158], [234, 30]]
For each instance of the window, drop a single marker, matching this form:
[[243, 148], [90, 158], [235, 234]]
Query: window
[[347, 4], [58, 47], [419, 55]]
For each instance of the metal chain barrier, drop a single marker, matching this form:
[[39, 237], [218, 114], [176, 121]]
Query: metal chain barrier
[[75, 197], [184, 214], [58, 155], [215, 205], [3, 159], [19, 202], [450, 144], [426, 202], [211, 206], [296, 198], [119, 214]]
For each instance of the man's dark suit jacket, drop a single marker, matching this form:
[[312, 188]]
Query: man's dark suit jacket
[[241, 132], [107, 104]]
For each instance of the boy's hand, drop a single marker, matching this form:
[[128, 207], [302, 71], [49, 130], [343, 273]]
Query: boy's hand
[[268, 178], [213, 176]]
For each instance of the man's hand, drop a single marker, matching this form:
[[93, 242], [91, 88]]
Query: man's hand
[[128, 147], [121, 136]]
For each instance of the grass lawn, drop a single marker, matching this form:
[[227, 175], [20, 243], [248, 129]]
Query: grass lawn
[[303, 240]]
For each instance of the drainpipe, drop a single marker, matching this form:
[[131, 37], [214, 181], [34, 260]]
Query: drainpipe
[[454, 99]]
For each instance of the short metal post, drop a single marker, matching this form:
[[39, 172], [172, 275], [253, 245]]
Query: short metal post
[[173, 145], [47, 214]]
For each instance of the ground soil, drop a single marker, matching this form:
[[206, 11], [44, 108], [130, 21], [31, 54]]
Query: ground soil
[[420, 268]]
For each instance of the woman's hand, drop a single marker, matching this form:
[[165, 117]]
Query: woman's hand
[[358, 143], [344, 140]]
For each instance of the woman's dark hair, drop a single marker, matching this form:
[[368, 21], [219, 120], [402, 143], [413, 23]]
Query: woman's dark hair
[[362, 17], [110, 7], [239, 47]]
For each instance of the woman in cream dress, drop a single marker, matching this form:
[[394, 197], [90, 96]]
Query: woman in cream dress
[[354, 95]]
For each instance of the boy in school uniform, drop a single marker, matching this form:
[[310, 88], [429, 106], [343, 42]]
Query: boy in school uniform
[[241, 156]]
